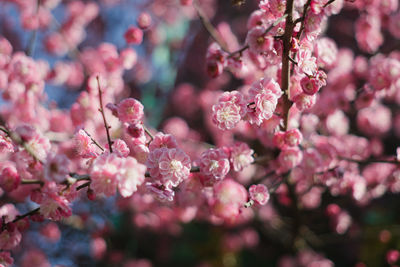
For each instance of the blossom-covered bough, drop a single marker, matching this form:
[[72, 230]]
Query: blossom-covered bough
[[307, 121]]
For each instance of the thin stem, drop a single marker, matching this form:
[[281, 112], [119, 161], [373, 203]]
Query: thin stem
[[329, 2], [210, 28], [148, 133], [87, 184], [303, 18], [28, 182], [30, 213], [371, 161], [94, 141], [80, 177], [103, 115]]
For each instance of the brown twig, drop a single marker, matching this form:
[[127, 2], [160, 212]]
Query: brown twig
[[148, 133], [94, 141], [28, 182], [87, 184], [210, 28], [285, 77], [103, 115], [30, 213], [367, 161], [329, 2]]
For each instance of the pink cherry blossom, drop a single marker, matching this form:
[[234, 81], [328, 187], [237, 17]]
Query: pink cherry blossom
[[230, 197], [9, 179], [130, 110], [241, 156], [105, 173], [214, 163], [259, 194], [132, 176], [258, 41], [133, 35], [174, 167], [56, 167], [84, 145]]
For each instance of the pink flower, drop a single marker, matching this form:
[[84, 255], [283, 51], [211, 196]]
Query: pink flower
[[229, 110], [34, 257], [56, 167], [152, 162], [259, 194], [105, 173], [174, 166], [216, 60], [398, 154], [293, 137], [214, 163], [306, 62], [98, 247], [10, 238], [53, 205], [5, 145], [226, 115], [241, 156], [163, 140], [9, 179], [229, 198], [289, 158], [368, 32], [130, 110], [309, 86], [304, 102], [258, 41], [257, 18], [392, 256], [265, 105], [84, 145], [128, 57], [51, 232], [375, 120], [5, 259], [133, 35], [263, 97], [121, 148], [132, 176], [326, 52], [144, 20], [161, 193]]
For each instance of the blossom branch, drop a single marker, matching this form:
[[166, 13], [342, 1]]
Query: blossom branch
[[210, 28], [29, 182], [103, 115], [329, 2], [94, 141], [30, 213], [303, 18], [285, 78], [371, 161], [148, 133]]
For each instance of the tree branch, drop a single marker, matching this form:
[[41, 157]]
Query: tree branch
[[103, 115]]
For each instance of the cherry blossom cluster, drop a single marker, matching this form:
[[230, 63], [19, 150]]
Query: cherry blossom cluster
[[287, 119]]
